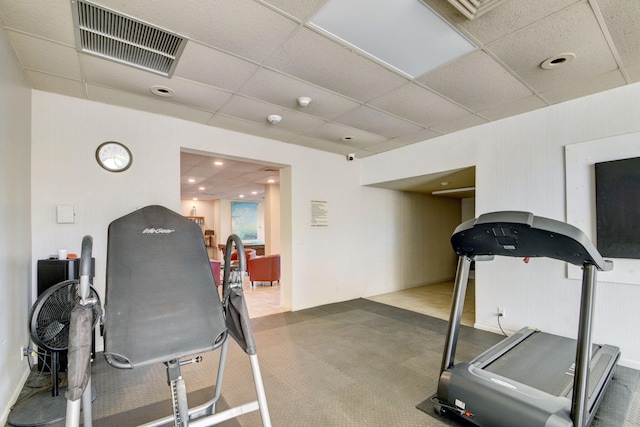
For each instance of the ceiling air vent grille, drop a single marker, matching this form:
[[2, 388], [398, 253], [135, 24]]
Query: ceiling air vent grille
[[474, 8], [111, 35]]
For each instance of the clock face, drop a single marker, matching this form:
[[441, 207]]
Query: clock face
[[113, 156]]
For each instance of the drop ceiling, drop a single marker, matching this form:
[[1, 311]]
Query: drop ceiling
[[247, 59], [207, 177]]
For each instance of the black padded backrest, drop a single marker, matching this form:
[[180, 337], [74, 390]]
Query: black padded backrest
[[521, 234], [161, 301]]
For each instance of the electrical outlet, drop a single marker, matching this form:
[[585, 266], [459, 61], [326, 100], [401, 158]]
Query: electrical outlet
[[502, 312]]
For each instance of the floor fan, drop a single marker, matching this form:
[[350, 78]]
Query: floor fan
[[49, 326]]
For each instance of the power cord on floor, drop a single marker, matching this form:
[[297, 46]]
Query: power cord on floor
[[499, 325], [37, 380]]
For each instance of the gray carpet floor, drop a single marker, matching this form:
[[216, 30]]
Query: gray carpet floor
[[356, 363]]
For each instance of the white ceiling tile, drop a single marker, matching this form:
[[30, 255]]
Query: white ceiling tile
[[122, 77], [212, 67], [419, 105], [143, 103], [460, 124], [55, 84], [513, 108], [42, 55], [334, 132], [622, 18], [421, 135], [245, 27], [476, 81], [265, 51], [322, 144], [582, 88], [257, 111], [573, 30], [511, 16], [378, 122], [633, 72], [391, 144], [323, 62], [299, 9], [48, 19], [265, 130], [278, 89]]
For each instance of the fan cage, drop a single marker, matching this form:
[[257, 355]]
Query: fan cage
[[51, 315]]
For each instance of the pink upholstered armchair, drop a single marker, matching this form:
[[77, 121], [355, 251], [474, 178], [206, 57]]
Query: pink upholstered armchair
[[264, 269]]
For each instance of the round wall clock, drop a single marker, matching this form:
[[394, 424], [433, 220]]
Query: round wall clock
[[114, 156]]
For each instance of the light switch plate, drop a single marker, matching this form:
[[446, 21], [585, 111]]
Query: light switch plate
[[66, 214]]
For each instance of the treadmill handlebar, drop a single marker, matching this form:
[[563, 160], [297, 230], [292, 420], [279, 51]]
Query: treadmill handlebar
[[521, 234]]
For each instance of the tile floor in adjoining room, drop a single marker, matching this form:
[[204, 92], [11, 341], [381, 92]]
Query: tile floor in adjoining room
[[262, 299], [433, 300]]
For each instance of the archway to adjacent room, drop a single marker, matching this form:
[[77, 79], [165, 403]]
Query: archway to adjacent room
[[213, 186], [432, 206]]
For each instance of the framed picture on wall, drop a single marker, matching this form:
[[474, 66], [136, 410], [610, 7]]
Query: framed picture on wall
[[244, 220]]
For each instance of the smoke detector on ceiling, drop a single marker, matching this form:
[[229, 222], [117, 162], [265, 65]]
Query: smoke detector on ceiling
[[274, 119]]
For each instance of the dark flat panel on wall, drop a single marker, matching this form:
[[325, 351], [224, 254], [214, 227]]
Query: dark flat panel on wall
[[618, 208]]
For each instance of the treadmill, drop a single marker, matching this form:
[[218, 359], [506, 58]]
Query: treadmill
[[531, 378]]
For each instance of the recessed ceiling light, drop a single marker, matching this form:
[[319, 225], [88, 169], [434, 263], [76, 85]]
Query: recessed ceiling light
[[271, 181], [201, 188], [241, 196], [195, 198], [191, 180], [444, 183], [254, 192], [347, 138], [218, 163], [163, 91], [557, 61]]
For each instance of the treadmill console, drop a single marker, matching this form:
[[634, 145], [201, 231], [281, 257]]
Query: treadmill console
[[521, 234]]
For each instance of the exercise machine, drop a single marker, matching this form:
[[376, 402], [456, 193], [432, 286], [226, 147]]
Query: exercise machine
[[531, 378], [162, 306]]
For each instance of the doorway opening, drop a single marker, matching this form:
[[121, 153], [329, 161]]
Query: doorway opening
[[433, 205], [224, 195]]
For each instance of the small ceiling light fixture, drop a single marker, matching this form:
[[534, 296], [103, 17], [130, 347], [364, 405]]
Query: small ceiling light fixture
[[274, 119], [347, 138], [191, 180], [254, 192], [444, 183], [271, 181], [304, 101], [195, 199], [241, 196], [201, 188], [162, 91], [218, 163], [557, 61]]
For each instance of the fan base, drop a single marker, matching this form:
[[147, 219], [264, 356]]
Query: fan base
[[42, 409]]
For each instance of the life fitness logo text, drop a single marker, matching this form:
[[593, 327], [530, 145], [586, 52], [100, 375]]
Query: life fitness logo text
[[157, 231]]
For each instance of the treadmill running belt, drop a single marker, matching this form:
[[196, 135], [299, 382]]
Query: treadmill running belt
[[529, 363]]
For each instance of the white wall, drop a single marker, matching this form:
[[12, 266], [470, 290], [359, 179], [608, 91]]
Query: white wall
[[520, 165], [319, 265], [15, 224]]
